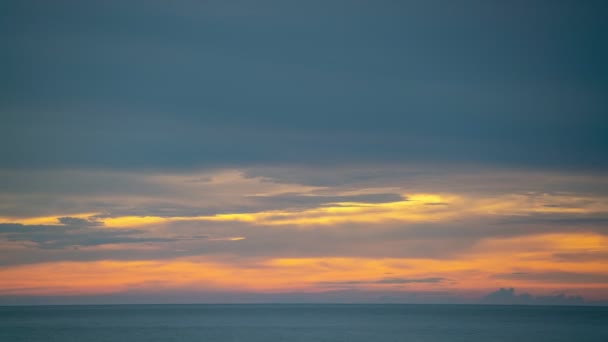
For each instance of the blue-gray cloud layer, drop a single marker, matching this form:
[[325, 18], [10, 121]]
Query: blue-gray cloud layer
[[73, 233], [181, 84]]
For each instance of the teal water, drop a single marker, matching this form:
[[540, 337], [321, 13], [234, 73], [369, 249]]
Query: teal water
[[269, 323]]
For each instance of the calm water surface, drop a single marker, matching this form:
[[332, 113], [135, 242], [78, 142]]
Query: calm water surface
[[353, 323]]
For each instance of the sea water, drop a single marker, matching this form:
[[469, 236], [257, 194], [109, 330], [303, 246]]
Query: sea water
[[306, 322]]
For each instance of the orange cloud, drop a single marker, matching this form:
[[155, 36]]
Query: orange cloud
[[486, 266]]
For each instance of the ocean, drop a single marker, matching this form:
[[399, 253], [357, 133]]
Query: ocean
[[302, 322]]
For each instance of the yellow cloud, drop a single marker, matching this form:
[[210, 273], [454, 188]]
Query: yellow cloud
[[420, 207]]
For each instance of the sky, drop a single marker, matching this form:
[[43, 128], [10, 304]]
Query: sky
[[332, 151]]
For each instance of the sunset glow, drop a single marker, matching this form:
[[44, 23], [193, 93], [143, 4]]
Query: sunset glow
[[277, 151]]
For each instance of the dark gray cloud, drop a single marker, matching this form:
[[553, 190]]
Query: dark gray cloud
[[581, 256], [576, 221], [184, 84], [437, 177], [386, 281], [74, 232], [78, 222], [507, 296], [308, 201], [557, 277]]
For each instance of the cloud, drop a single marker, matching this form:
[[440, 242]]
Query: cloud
[[172, 194], [584, 256], [247, 135], [442, 240], [386, 281], [78, 222], [74, 233], [316, 200], [361, 90], [507, 296], [558, 277]]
